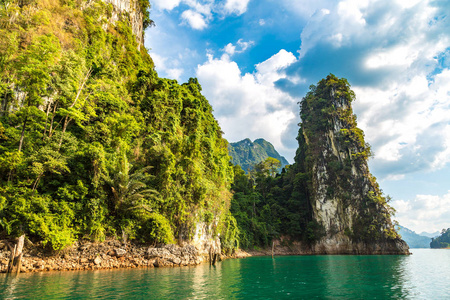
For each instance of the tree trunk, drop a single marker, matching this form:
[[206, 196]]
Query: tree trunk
[[37, 180], [50, 131], [15, 261], [23, 133], [46, 119], [67, 119], [66, 122]]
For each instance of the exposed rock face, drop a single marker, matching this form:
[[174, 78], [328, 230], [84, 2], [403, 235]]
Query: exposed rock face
[[131, 7], [346, 202], [170, 255], [204, 240]]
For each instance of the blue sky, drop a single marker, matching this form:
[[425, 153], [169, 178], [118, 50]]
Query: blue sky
[[255, 59]]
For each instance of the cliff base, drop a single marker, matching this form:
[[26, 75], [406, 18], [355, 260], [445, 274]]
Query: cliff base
[[111, 254]]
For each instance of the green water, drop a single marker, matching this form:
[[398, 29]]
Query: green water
[[423, 275]]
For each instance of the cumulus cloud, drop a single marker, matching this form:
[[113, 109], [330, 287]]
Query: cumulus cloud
[[161, 63], [194, 19], [249, 105], [241, 46], [166, 4], [200, 12], [425, 213], [236, 6]]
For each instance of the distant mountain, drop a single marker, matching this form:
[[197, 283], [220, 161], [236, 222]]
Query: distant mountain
[[430, 235], [247, 153], [413, 239]]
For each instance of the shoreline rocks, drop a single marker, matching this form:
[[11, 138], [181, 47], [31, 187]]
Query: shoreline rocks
[[284, 248], [110, 254]]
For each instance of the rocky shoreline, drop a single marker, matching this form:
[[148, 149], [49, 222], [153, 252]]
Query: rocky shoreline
[[330, 247], [111, 254]]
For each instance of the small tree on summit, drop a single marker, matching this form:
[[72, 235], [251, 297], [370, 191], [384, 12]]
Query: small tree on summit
[[268, 167]]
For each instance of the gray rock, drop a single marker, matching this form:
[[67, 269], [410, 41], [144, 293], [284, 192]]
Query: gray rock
[[119, 252], [97, 260]]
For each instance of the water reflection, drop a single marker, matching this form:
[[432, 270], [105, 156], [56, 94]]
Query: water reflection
[[364, 277], [423, 275]]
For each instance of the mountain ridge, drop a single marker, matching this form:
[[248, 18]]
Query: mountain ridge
[[247, 154], [413, 239]]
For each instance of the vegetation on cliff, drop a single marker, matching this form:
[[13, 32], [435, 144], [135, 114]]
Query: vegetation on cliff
[[92, 141], [442, 241]]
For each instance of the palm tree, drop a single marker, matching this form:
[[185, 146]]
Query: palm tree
[[129, 192]]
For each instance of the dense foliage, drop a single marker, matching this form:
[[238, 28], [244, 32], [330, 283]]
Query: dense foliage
[[269, 205], [92, 141], [247, 154], [442, 241]]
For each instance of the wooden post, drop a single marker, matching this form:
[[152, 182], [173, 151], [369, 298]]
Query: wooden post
[[273, 245], [15, 261], [210, 255]]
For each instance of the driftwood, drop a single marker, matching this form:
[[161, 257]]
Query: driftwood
[[15, 260]]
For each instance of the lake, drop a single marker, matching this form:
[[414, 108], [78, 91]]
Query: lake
[[423, 275]]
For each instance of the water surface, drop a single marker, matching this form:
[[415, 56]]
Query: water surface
[[423, 275]]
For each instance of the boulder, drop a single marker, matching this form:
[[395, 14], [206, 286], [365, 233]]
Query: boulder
[[97, 260]]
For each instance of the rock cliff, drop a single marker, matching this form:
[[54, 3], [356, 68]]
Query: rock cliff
[[135, 15], [346, 203]]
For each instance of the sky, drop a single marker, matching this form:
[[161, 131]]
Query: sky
[[256, 59]]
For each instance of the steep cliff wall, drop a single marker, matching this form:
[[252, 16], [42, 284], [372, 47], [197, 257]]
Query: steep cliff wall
[[346, 202], [135, 15]]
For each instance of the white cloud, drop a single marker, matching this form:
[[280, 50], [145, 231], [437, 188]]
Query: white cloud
[[249, 105], [161, 64], [198, 14], [425, 213], [268, 71], [229, 49], [166, 4], [200, 11], [240, 47], [407, 122], [194, 19], [236, 6]]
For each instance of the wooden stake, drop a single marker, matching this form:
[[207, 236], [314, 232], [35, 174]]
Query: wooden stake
[[273, 245]]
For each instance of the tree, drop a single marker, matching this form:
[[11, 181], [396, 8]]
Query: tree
[[129, 192], [268, 167]]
